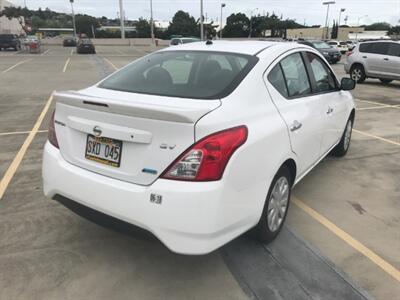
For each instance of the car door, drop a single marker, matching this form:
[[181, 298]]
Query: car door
[[392, 61], [289, 86], [376, 59], [325, 85]]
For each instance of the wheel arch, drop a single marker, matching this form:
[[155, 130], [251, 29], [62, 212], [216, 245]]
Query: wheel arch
[[292, 166]]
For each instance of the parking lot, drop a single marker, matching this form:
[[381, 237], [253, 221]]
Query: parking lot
[[343, 224]]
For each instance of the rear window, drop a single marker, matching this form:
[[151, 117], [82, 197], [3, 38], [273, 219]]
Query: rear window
[[185, 74], [6, 36]]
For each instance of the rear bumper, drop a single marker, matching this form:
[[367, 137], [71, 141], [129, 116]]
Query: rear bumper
[[193, 218]]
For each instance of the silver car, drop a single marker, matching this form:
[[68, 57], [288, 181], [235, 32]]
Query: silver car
[[378, 59]]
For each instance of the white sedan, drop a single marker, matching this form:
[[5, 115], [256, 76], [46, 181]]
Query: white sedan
[[199, 143]]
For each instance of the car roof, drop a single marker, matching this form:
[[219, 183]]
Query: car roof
[[240, 47], [381, 41]]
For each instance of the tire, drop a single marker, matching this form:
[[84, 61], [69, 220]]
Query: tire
[[385, 81], [266, 229], [357, 73], [341, 149]]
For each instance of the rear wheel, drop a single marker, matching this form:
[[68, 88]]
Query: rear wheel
[[385, 81], [344, 144], [275, 207], [357, 73]]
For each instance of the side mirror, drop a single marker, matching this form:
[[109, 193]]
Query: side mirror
[[347, 84]]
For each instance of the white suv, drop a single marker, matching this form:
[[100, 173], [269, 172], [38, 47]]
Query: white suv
[[374, 60], [197, 144]]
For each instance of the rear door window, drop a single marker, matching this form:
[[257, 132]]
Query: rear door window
[[394, 50], [278, 80], [296, 76]]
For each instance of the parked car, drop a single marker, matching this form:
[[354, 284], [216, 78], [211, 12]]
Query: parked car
[[200, 144], [332, 55], [374, 60], [69, 42], [183, 40], [350, 44], [9, 41], [85, 45], [341, 46]]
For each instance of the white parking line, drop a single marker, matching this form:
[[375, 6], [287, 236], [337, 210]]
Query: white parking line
[[376, 137], [45, 52], [66, 64], [72, 52], [19, 132], [16, 65], [110, 63]]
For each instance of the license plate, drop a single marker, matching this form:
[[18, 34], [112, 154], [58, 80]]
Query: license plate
[[103, 150]]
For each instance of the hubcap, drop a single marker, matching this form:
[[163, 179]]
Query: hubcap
[[356, 74], [347, 135], [278, 204]]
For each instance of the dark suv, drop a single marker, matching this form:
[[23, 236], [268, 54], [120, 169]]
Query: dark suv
[[9, 41]]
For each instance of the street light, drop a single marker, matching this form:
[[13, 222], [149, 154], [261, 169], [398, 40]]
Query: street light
[[220, 31], [358, 25], [340, 14], [151, 22], [73, 16], [251, 21], [328, 3], [201, 21], [122, 19]]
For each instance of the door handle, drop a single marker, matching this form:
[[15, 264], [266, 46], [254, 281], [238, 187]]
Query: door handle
[[365, 57], [386, 59], [330, 110], [295, 126]]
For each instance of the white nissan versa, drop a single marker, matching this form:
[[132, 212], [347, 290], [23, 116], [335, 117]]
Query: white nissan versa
[[199, 143]]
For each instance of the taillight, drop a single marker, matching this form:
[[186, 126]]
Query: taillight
[[52, 132], [206, 160], [349, 53]]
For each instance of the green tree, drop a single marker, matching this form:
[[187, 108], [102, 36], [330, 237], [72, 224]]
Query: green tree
[[237, 25], [143, 28], [395, 30], [12, 12], [379, 26], [84, 24], [183, 24]]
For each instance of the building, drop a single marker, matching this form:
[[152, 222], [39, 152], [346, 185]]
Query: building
[[345, 33], [9, 26]]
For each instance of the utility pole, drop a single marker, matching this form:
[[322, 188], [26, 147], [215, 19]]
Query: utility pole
[[201, 21], [220, 31], [151, 23], [122, 18], [73, 16], [340, 14], [327, 3]]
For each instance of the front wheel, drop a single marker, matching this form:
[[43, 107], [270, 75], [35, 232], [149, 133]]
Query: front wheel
[[344, 144], [275, 207]]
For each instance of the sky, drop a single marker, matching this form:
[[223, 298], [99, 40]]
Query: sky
[[309, 12]]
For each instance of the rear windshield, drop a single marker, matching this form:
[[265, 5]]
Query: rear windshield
[[6, 36], [185, 74], [321, 45]]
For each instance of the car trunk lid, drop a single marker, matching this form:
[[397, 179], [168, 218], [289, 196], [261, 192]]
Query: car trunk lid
[[153, 130]]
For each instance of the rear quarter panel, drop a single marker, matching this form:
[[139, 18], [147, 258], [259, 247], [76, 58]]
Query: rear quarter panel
[[252, 167]]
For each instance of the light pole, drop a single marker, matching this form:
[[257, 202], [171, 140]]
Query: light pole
[[358, 25], [151, 22], [122, 19], [220, 31], [201, 21], [327, 3], [340, 15], [251, 21], [73, 16]]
